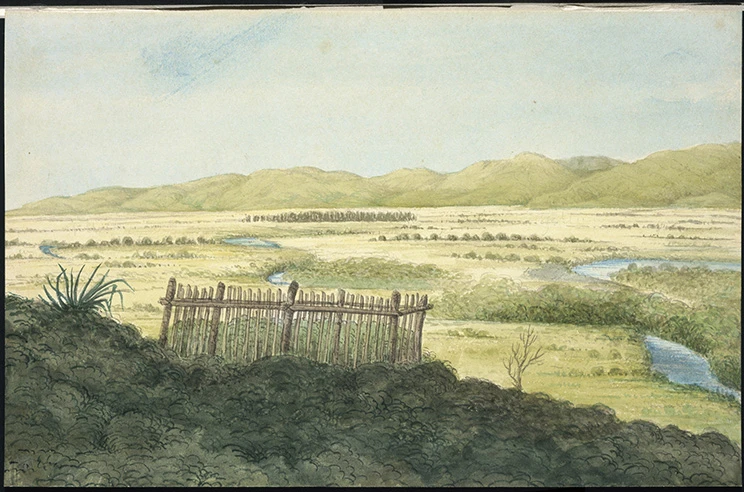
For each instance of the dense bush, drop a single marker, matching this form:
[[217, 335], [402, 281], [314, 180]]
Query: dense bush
[[697, 284], [356, 273], [88, 402]]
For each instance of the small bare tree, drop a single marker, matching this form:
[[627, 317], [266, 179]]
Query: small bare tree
[[523, 354]]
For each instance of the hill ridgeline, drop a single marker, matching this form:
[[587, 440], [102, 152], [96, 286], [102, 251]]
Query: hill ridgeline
[[707, 176]]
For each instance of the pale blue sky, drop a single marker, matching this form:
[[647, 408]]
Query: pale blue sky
[[150, 98]]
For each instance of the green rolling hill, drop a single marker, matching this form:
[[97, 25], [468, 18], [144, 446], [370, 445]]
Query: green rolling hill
[[702, 176]]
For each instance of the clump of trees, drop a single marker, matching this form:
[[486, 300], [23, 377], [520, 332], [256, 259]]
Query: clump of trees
[[333, 216]]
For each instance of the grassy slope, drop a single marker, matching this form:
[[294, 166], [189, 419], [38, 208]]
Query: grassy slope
[[706, 175], [95, 201], [510, 182], [90, 402], [663, 178]]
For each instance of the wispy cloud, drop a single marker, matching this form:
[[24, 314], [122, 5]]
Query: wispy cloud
[[189, 59]]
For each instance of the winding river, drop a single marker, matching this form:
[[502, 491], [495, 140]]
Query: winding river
[[677, 362]]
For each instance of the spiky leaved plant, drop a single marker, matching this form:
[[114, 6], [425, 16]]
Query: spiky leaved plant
[[88, 299]]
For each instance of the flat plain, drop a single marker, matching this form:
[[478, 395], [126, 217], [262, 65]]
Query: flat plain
[[445, 249]]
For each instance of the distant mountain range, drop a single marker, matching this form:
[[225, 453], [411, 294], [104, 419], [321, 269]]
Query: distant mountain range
[[703, 176]]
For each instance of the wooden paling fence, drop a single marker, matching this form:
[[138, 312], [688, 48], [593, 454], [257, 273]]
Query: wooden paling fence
[[337, 328]]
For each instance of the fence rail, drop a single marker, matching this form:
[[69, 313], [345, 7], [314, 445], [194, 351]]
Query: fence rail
[[248, 324]]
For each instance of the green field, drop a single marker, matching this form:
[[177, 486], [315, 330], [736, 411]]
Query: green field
[[446, 253]]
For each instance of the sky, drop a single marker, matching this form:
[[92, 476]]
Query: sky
[[145, 98]]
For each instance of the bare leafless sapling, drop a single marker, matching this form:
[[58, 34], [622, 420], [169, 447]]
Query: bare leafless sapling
[[523, 354]]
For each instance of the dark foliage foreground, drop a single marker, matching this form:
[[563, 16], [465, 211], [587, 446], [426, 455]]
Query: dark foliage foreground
[[90, 402]]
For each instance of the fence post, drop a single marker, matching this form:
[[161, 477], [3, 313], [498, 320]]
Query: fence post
[[212, 345], [170, 293], [424, 304], [395, 304], [339, 320], [288, 315]]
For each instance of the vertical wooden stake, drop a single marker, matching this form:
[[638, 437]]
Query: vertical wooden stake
[[420, 328], [170, 292], [395, 304], [212, 345], [337, 333], [288, 314]]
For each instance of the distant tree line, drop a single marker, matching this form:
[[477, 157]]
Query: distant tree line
[[333, 216]]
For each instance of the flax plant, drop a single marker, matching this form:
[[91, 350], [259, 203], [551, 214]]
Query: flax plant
[[66, 294]]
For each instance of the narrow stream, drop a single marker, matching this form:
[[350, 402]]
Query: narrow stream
[[251, 242], [47, 250], [277, 278]]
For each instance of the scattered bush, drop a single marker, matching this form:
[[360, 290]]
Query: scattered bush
[[85, 256], [469, 333], [598, 371]]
